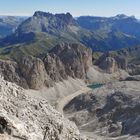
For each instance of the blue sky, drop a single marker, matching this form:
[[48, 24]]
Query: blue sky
[[75, 7]]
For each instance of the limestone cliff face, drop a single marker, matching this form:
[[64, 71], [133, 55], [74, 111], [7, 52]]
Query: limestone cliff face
[[28, 72], [111, 63], [55, 68], [11, 72], [62, 61], [33, 70], [68, 60]]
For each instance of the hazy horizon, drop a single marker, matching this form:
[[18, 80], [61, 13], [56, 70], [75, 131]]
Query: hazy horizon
[[76, 8], [28, 15]]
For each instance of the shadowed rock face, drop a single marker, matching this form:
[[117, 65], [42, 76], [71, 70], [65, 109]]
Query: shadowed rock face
[[134, 69], [72, 60], [133, 78], [4, 126], [33, 70], [29, 72], [106, 112], [11, 72], [62, 61], [55, 68], [111, 63]]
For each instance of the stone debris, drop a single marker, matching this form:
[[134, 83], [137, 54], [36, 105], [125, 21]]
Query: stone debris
[[26, 118]]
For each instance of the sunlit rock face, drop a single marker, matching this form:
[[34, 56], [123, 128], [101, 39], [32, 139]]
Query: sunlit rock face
[[23, 117], [68, 60], [63, 61]]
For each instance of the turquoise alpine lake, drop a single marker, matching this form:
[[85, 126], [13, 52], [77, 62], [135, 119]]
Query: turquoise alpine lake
[[94, 86]]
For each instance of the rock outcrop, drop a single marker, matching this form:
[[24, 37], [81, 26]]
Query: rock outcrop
[[22, 117], [133, 78], [33, 70], [68, 60], [46, 22], [111, 63], [134, 69], [28, 72], [63, 61], [11, 72]]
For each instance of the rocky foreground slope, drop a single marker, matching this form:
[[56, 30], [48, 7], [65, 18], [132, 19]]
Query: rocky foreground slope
[[22, 117], [111, 112]]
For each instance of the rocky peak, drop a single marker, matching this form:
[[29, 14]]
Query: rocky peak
[[124, 17], [67, 18], [68, 60], [42, 14], [47, 23], [121, 16], [111, 63]]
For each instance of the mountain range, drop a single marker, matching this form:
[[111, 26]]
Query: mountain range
[[122, 23], [44, 30], [87, 68], [36, 37]]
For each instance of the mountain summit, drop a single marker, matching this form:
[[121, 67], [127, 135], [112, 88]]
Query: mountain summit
[[46, 22]]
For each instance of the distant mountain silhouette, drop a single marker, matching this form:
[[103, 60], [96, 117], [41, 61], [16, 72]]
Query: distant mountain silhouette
[[8, 24]]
